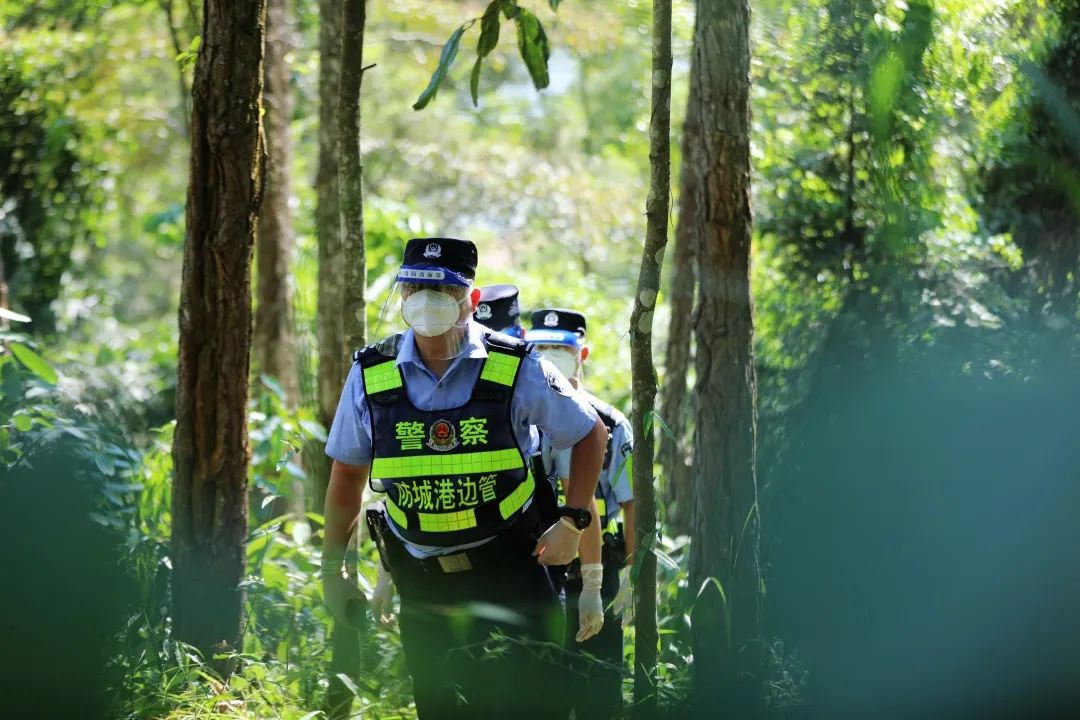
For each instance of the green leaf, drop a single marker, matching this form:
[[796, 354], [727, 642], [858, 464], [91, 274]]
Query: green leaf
[[489, 29], [196, 43], [474, 82], [554, 4], [314, 429], [34, 363], [446, 59], [22, 422], [533, 45], [510, 9]]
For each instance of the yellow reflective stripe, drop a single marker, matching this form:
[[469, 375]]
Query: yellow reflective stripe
[[442, 465], [513, 502], [396, 515], [500, 368], [601, 507], [384, 376], [447, 522]]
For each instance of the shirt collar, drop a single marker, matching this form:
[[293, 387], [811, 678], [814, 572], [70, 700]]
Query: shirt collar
[[474, 347]]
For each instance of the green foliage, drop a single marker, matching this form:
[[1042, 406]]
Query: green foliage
[[532, 45]]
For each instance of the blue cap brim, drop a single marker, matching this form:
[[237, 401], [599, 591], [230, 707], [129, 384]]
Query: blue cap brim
[[431, 275], [553, 337]]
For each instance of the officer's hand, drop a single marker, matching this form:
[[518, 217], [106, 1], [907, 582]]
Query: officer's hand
[[559, 544], [590, 606], [382, 599], [347, 603], [624, 599]]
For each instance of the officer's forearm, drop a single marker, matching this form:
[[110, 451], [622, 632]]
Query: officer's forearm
[[629, 529], [343, 497], [589, 549], [586, 459]]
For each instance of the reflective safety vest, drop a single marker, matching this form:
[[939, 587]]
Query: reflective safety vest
[[451, 476]]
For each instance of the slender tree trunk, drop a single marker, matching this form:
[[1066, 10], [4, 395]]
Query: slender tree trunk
[[178, 47], [274, 340], [350, 173], [726, 524], [210, 450], [641, 360], [347, 650], [674, 409], [333, 348]]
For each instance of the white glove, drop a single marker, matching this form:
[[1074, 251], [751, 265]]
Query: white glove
[[559, 544], [624, 599], [344, 599], [590, 606], [382, 599]]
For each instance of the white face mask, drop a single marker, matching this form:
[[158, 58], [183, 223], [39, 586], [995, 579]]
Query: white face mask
[[430, 312], [565, 362]]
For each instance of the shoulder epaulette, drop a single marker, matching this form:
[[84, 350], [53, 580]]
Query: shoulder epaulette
[[505, 343], [379, 351]]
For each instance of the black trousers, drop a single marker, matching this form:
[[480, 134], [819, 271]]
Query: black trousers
[[484, 642], [595, 680]]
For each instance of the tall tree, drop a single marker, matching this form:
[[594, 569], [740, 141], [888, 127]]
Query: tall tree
[[641, 360], [351, 267], [333, 348], [674, 408], [274, 341], [210, 450], [725, 527]]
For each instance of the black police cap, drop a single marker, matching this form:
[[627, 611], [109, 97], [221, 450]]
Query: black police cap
[[498, 306], [558, 319], [449, 253]]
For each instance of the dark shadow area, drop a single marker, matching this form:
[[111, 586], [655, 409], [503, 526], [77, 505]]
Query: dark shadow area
[[923, 540], [65, 597]]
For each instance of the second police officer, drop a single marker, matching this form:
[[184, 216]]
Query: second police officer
[[559, 335], [441, 418]]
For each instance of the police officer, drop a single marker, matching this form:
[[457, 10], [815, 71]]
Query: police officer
[[559, 335], [441, 418], [498, 309]]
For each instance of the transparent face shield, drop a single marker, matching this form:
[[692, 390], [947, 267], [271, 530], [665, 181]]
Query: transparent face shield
[[437, 311], [566, 358]]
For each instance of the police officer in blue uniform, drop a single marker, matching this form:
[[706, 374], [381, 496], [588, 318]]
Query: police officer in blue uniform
[[440, 419], [498, 309], [559, 335]]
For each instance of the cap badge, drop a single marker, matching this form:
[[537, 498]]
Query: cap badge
[[483, 311], [432, 251], [551, 320]]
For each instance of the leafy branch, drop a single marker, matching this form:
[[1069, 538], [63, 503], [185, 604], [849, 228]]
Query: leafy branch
[[532, 45]]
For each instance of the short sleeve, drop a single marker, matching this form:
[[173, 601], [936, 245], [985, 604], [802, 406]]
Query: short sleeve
[[544, 398], [622, 447], [350, 435]]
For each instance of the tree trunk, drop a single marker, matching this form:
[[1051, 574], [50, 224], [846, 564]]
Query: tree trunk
[[210, 450], [274, 341], [674, 455], [726, 523], [333, 349], [641, 360], [350, 175], [346, 641]]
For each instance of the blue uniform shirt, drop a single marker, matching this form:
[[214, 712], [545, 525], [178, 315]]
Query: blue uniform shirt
[[542, 399], [615, 481]]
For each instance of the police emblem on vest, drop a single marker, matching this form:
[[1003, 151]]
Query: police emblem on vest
[[452, 476]]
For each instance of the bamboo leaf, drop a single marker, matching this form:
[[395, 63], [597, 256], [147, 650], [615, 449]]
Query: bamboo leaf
[[489, 29], [474, 82], [34, 362], [446, 59], [534, 48]]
